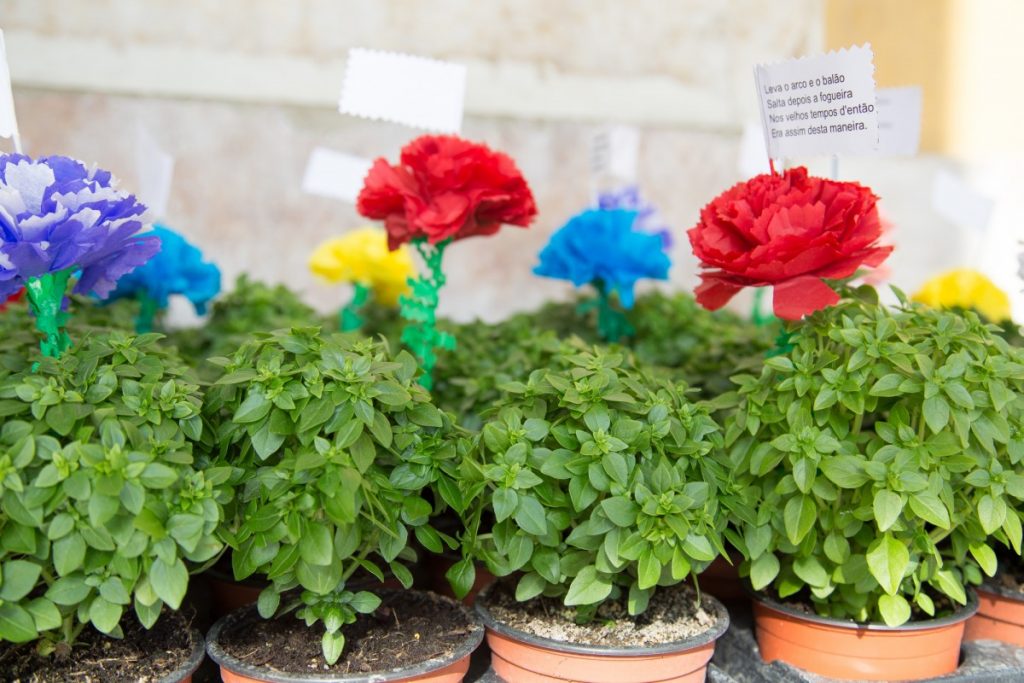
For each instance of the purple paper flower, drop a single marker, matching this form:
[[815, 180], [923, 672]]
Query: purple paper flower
[[57, 215], [647, 220]]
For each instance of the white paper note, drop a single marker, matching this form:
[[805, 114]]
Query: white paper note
[[959, 203], [615, 152], [155, 170], [8, 121], [817, 106], [335, 174], [899, 121], [414, 91]]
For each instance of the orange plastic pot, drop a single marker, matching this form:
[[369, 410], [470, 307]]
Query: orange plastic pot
[[450, 669], [844, 649], [722, 580], [1000, 617], [229, 595], [520, 657]]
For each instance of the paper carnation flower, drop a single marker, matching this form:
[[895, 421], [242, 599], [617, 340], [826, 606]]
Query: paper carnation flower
[[362, 257], [966, 288], [57, 215], [178, 268], [789, 232], [602, 247], [444, 188]]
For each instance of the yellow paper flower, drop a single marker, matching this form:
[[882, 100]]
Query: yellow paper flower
[[966, 288], [362, 256]]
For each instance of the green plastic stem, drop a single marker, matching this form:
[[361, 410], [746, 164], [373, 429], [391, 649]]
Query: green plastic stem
[[419, 309], [350, 318], [612, 323], [46, 298], [147, 314]]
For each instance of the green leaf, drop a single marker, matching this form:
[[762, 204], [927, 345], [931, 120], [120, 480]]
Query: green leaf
[[845, 471], [19, 578], [158, 476], [985, 556], [254, 408], [887, 507], [315, 546], [104, 615], [16, 624], [810, 571], [69, 591], [895, 610], [530, 516], [799, 516], [268, 602], [947, 582], [991, 512], [588, 588], [332, 645], [530, 586], [45, 614], [505, 501], [620, 510], [888, 560], [936, 413], [648, 570], [365, 602], [169, 581], [461, 577], [930, 508], [763, 571]]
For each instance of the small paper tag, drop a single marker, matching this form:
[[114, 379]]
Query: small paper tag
[[8, 121], [959, 203], [414, 91], [899, 121], [817, 106], [615, 151], [155, 169], [335, 174]]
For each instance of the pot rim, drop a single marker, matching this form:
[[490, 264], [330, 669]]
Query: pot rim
[[471, 641], [192, 663], [712, 634], [961, 614]]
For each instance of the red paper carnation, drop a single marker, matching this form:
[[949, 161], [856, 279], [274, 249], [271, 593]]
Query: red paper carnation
[[789, 232], [446, 187]]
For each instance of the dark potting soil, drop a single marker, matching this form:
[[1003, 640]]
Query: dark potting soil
[[674, 614], [142, 656], [408, 628], [1010, 577]]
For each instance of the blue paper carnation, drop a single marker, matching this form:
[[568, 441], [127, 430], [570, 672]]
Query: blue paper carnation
[[602, 247], [178, 268], [57, 215]]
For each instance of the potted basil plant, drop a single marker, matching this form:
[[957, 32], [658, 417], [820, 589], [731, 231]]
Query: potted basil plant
[[605, 497], [882, 455], [318, 427], [104, 511]]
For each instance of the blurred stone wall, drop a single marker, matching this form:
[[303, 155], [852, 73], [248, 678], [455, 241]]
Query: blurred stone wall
[[241, 91]]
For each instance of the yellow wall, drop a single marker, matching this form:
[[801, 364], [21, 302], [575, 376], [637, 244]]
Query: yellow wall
[[965, 54]]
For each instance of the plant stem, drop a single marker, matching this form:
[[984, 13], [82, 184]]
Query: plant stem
[[147, 314], [350, 318], [419, 309], [46, 298]]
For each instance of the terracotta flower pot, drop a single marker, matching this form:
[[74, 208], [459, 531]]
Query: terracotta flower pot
[[1000, 616], [229, 595], [450, 669], [520, 657], [722, 580], [844, 649]]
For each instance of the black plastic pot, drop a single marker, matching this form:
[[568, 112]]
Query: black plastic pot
[[439, 670], [183, 674], [517, 654]]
